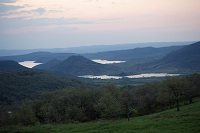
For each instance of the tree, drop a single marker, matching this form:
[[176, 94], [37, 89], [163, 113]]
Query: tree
[[128, 102], [108, 106], [193, 89], [176, 87], [24, 114]]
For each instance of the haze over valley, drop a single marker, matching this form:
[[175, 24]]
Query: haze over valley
[[130, 63]]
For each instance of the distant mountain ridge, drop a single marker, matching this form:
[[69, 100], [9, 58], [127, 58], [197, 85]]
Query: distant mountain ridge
[[133, 53], [136, 54], [126, 46], [93, 49]]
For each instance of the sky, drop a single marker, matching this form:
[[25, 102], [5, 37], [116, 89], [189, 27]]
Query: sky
[[32, 24]]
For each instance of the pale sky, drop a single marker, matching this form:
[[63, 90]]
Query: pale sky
[[27, 24]]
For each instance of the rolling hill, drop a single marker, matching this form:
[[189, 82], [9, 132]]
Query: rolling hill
[[177, 59], [132, 54], [48, 65], [7, 65], [139, 60], [79, 65], [40, 57], [186, 59], [16, 86]]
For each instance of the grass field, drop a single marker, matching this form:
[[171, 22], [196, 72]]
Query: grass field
[[185, 121]]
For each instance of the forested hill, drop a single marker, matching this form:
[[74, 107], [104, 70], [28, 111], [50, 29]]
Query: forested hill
[[184, 60], [48, 65], [79, 65], [20, 85], [7, 65], [187, 57], [41, 57]]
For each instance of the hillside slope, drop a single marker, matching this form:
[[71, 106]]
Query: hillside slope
[[130, 54], [40, 57], [20, 85], [79, 65], [170, 121], [7, 65], [184, 60], [48, 65], [187, 57]]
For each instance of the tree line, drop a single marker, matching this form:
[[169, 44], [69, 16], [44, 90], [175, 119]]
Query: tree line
[[107, 102]]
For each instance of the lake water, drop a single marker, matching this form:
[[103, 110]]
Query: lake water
[[107, 62], [148, 75], [101, 77], [29, 64]]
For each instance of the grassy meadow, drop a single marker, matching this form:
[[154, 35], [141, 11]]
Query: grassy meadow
[[185, 121]]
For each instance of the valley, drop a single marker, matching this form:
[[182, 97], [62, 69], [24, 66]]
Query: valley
[[148, 75], [43, 88], [147, 62], [99, 66]]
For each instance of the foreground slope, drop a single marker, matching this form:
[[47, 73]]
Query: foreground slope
[[170, 121]]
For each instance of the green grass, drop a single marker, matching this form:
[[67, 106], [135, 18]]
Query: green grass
[[185, 121]]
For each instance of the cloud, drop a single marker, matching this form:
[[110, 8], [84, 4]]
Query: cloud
[[54, 11], [91, 0], [111, 19], [7, 11], [8, 1], [10, 11], [14, 25], [5, 8], [39, 11], [27, 29]]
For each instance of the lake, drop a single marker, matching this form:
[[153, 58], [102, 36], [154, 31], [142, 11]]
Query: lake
[[29, 64], [100, 77], [148, 75], [107, 62]]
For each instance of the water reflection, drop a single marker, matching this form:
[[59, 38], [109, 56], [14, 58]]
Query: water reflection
[[148, 75], [29, 64], [107, 62]]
